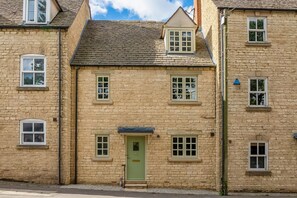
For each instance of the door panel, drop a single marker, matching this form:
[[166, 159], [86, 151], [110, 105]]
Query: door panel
[[136, 158]]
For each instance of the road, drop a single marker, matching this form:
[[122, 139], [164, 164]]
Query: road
[[23, 190]]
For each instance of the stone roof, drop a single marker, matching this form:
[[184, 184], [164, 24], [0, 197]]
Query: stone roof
[[257, 4], [11, 13], [132, 43]]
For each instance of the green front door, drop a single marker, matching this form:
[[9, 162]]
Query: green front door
[[136, 158]]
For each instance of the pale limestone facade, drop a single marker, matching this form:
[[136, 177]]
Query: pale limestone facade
[[141, 97], [274, 124], [36, 164]]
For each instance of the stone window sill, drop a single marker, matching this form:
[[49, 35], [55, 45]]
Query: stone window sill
[[194, 103], [103, 159], [258, 109], [175, 159], [106, 102], [259, 44], [32, 89], [258, 173], [21, 146]]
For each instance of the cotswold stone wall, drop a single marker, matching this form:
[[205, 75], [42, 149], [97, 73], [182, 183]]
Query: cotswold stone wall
[[28, 163], [73, 36], [275, 61], [211, 32], [141, 97]]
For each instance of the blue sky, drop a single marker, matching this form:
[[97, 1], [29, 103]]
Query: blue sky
[[157, 10]]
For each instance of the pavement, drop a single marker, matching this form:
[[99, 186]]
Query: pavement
[[29, 190]]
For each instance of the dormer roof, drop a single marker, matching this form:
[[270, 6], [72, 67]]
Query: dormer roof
[[11, 14], [180, 19]]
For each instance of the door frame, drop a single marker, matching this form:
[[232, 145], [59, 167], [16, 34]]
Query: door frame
[[145, 155]]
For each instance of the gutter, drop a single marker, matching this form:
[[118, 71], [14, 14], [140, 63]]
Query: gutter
[[32, 27], [76, 125], [264, 9], [60, 109]]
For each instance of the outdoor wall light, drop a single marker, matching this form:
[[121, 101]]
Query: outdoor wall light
[[295, 136], [236, 82]]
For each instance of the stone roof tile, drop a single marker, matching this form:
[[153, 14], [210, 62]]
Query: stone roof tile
[[257, 4], [132, 43], [11, 13]]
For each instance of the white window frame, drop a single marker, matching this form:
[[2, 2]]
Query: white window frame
[[96, 146], [26, 14], [258, 155], [97, 87], [184, 146], [193, 48], [183, 87], [22, 132], [258, 92], [257, 30], [33, 56]]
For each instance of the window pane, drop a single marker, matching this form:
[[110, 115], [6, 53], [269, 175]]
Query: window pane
[[31, 10], [105, 145], [174, 153], [252, 24], [188, 153], [260, 36], [27, 64], [38, 127], [27, 127], [39, 138], [39, 65], [41, 12], [174, 146], [188, 140], [99, 139], [180, 146], [104, 139], [253, 162], [105, 152], [193, 140], [28, 137], [253, 85], [261, 85], [253, 99], [260, 24], [261, 148], [99, 152], [193, 153], [188, 146], [180, 140], [254, 149], [261, 99], [252, 36], [105, 79], [100, 145], [174, 140], [180, 153], [39, 79], [261, 162], [28, 79]]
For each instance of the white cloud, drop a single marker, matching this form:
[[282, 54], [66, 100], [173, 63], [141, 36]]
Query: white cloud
[[145, 9]]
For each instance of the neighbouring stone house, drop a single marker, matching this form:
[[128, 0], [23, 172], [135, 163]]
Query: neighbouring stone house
[[37, 41], [253, 44], [179, 104]]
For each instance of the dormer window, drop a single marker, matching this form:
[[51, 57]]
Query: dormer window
[[36, 11], [181, 41], [179, 33]]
